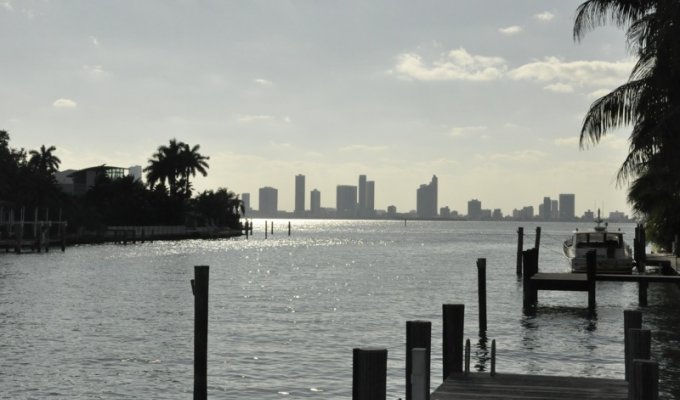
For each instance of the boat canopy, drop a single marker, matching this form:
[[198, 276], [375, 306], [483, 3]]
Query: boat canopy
[[598, 239]]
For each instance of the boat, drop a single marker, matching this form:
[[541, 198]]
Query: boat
[[613, 255]]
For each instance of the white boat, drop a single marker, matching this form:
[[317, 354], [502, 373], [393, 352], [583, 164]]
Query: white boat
[[614, 256]]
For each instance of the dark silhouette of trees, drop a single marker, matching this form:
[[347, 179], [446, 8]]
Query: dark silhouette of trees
[[219, 208], [175, 164], [649, 103], [44, 162]]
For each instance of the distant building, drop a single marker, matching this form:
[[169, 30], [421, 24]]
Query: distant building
[[346, 201], [426, 199], [497, 214], [545, 209], [299, 195], [474, 209], [567, 207], [392, 211], [245, 198], [315, 203], [554, 210], [136, 172], [362, 195], [84, 179], [525, 214], [64, 180], [370, 198], [268, 202], [486, 214], [445, 212], [617, 216], [588, 216]]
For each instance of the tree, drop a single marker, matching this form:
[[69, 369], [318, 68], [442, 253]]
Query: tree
[[649, 102], [44, 162], [219, 208], [193, 162], [175, 164]]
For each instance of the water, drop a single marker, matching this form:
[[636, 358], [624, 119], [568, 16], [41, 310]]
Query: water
[[110, 321]]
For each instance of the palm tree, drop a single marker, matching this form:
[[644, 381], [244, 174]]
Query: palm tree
[[43, 161], [649, 102], [166, 166], [193, 162]]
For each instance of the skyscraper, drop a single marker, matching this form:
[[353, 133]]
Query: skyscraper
[[474, 209], [426, 199], [268, 201], [299, 195], [346, 201], [567, 207], [370, 197], [362, 194], [315, 203], [545, 211], [245, 198]]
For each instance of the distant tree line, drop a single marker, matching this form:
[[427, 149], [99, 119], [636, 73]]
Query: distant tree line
[[648, 103], [27, 179]]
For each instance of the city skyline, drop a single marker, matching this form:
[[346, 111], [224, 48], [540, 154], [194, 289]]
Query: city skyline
[[348, 203], [491, 103]]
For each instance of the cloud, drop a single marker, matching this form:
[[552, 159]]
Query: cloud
[[95, 71], [545, 16], [559, 88], [569, 141], [465, 130], [246, 119], [456, 65], [515, 156], [510, 30], [262, 82], [7, 5], [362, 148], [64, 103], [94, 41], [578, 73]]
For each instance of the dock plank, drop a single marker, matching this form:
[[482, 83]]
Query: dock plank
[[519, 387]]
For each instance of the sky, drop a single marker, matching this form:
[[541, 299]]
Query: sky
[[489, 95]]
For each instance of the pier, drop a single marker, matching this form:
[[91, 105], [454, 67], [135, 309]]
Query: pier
[[20, 233]]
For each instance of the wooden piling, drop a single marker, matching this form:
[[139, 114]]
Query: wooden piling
[[520, 249], [265, 229], [481, 293], [467, 356], [271, 228], [288, 228], [537, 242], [632, 319], [369, 374], [201, 274], [644, 384], [419, 384], [591, 264], [640, 341], [453, 329], [642, 293], [493, 357], [530, 268], [418, 335]]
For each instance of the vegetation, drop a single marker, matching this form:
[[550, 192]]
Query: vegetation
[[27, 179], [649, 103]]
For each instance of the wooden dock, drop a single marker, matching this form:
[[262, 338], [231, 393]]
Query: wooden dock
[[516, 387]]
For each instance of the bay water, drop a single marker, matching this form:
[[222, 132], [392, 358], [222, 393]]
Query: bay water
[[112, 321]]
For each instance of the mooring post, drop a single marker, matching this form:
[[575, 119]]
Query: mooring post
[[419, 384], [266, 229], [642, 293], [200, 285], [530, 269], [288, 228], [453, 329], [493, 357], [271, 227], [537, 242], [20, 234], [418, 335], [37, 233], [481, 293], [369, 374], [48, 225], [640, 341], [591, 264], [632, 319], [644, 383], [520, 249], [467, 356]]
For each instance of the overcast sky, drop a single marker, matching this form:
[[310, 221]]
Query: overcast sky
[[488, 95]]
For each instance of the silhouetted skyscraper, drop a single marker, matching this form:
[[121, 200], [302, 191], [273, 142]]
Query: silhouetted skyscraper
[[474, 209], [567, 207], [299, 195], [315, 202], [245, 198], [545, 210], [426, 199], [268, 201], [370, 197], [346, 201], [362, 194]]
